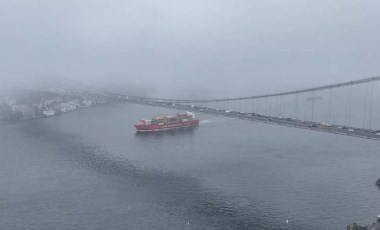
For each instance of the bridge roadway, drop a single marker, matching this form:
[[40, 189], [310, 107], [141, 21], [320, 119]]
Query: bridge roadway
[[314, 126]]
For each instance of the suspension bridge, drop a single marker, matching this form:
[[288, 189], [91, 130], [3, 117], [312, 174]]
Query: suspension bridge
[[347, 108]]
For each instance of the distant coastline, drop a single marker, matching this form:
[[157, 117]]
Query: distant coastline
[[30, 105], [5, 122]]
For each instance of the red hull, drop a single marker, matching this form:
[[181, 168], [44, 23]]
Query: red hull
[[141, 127]]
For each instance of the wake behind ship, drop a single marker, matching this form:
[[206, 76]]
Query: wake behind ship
[[167, 122]]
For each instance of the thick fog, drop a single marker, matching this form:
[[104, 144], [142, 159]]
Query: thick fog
[[213, 48]]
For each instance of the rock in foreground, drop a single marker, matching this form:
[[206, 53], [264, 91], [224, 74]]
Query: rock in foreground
[[354, 226]]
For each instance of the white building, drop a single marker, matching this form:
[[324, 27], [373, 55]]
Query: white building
[[48, 112], [87, 103]]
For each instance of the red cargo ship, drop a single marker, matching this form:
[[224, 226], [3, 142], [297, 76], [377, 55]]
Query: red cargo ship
[[167, 122]]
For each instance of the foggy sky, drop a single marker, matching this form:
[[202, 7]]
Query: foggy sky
[[186, 48]]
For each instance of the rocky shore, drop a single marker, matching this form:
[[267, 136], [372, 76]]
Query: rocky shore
[[355, 226], [374, 226]]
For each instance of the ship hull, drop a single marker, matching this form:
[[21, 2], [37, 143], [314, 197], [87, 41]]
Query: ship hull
[[163, 127]]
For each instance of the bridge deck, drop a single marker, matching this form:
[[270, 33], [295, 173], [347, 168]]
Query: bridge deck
[[314, 126]]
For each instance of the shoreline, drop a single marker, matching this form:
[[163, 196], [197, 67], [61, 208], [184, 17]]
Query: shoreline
[[3, 123]]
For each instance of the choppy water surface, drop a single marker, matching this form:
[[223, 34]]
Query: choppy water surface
[[89, 170]]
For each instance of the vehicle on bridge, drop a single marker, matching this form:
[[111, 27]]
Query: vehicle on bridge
[[167, 122]]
